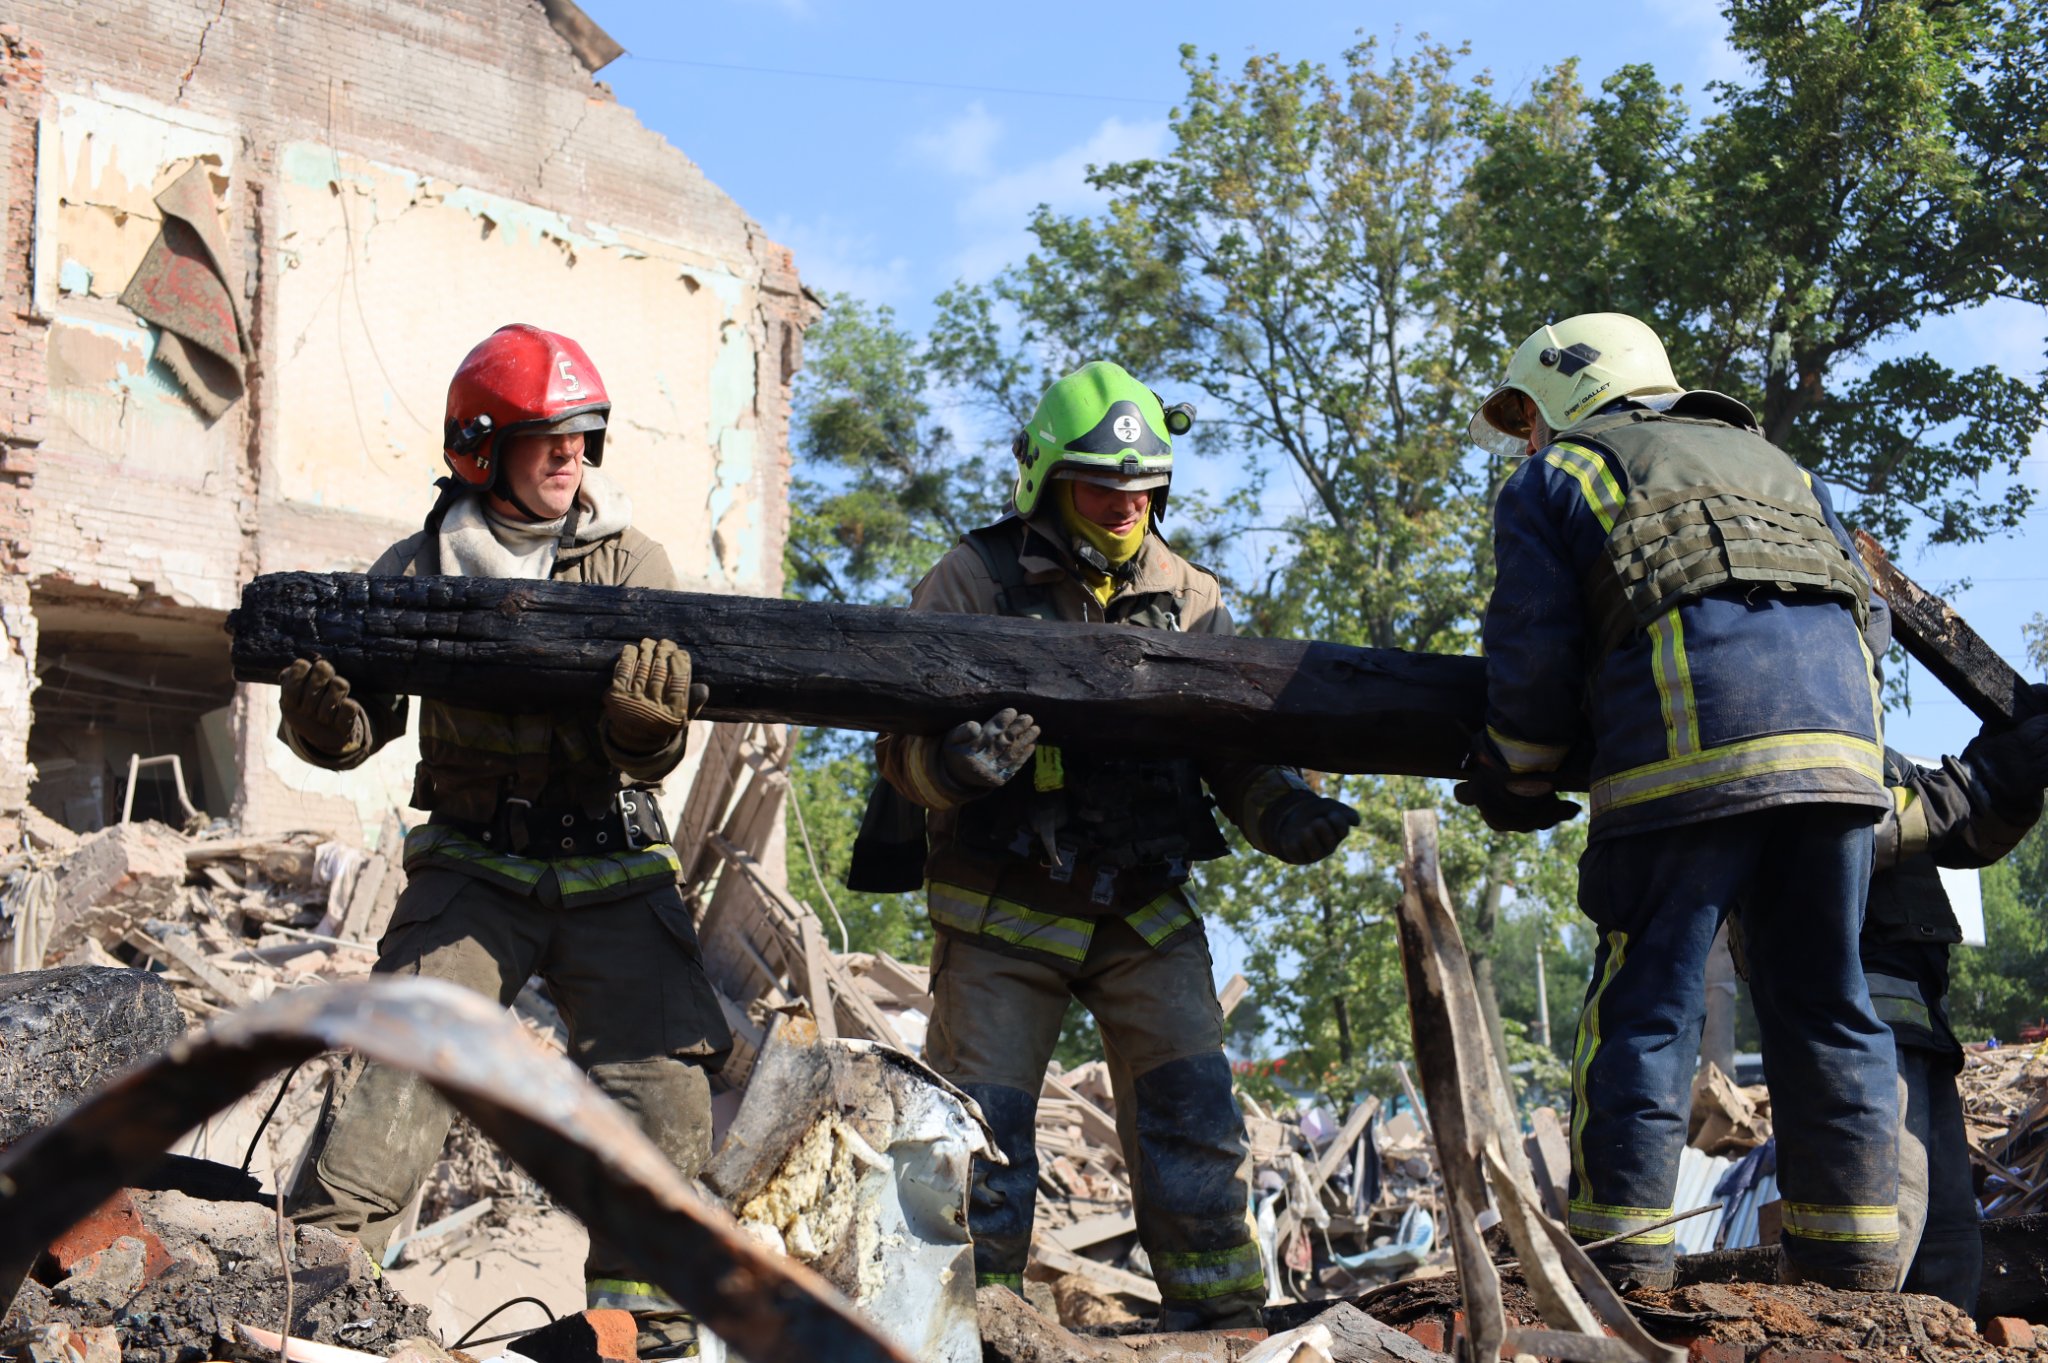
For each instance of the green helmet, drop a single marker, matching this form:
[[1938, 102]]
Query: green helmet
[[1098, 425]]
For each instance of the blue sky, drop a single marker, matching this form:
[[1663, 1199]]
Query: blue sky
[[923, 169]]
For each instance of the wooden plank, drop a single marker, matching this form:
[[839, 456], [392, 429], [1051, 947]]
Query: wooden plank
[[173, 952], [1234, 990], [704, 809], [1094, 1231], [1059, 1259], [362, 898], [1096, 1125], [817, 984], [908, 985], [1943, 642], [1333, 1154], [1550, 1157], [1326, 706]]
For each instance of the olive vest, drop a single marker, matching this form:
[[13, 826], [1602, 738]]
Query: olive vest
[[1149, 816], [1709, 505]]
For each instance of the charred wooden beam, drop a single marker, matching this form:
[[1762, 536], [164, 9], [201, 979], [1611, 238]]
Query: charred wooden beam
[[1943, 643], [534, 644]]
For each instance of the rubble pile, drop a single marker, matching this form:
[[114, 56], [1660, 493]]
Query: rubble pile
[[162, 1277], [2005, 1108]]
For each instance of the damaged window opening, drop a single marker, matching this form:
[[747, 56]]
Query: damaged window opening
[[119, 681]]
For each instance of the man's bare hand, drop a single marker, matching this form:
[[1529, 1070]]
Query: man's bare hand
[[986, 756]]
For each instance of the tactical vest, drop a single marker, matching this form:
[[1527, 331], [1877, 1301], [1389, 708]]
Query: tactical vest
[[1115, 813], [1709, 505]]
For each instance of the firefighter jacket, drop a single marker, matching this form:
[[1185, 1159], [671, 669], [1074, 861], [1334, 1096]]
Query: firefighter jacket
[[1128, 830], [1678, 595], [473, 758], [1940, 816]]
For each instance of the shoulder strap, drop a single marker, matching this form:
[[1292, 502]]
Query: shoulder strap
[[1000, 548]]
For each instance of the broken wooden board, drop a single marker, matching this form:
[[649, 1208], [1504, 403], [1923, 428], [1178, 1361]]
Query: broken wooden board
[[1943, 642], [1324, 706]]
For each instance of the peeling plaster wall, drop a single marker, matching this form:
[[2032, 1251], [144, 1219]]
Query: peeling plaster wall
[[395, 179]]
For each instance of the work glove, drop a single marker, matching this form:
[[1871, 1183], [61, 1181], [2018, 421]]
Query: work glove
[[1308, 827], [2012, 764], [314, 701], [1509, 803], [650, 698], [985, 756]]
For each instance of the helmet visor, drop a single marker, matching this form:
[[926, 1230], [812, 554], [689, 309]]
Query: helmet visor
[[1111, 479], [1493, 427], [576, 423]]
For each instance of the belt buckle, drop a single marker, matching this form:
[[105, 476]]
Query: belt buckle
[[512, 815], [627, 802]]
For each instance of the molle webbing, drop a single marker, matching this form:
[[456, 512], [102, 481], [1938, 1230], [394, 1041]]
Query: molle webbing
[[1709, 505]]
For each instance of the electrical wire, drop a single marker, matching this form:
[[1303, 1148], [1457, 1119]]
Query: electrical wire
[[494, 1314], [264, 1125], [804, 831]]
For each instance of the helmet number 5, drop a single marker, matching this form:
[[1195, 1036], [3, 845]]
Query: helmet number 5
[[569, 378]]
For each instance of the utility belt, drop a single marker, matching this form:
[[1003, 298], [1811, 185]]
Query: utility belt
[[548, 832]]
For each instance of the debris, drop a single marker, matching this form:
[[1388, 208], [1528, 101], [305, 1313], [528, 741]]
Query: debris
[[115, 878], [2005, 1113], [2009, 1332], [855, 1159], [1727, 1120], [1014, 1331], [64, 1032], [584, 1337], [533, 1103]]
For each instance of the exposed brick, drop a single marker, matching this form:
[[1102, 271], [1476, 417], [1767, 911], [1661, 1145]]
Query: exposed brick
[[1429, 1332], [2010, 1332], [1712, 1351]]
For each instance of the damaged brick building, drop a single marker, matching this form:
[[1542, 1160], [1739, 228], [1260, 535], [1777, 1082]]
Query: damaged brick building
[[245, 242]]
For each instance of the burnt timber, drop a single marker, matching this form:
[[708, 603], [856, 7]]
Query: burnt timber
[[1943, 642], [535, 644]]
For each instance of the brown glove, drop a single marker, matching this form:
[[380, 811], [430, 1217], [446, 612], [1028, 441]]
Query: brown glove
[[651, 698], [314, 701]]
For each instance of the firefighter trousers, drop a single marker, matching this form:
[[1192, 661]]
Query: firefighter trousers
[[1798, 875], [643, 1023], [995, 1021], [1941, 1244]]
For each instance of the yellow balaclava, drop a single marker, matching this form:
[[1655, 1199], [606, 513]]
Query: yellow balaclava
[[1118, 549]]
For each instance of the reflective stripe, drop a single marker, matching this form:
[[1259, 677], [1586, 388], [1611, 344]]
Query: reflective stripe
[[1013, 1281], [1524, 756], [969, 911], [1048, 768], [581, 878], [1733, 761], [626, 1295], [1914, 830], [1198, 1276], [1857, 1225], [1162, 918], [1587, 1045], [1597, 1221], [920, 767], [1590, 472], [1674, 685], [1897, 1000]]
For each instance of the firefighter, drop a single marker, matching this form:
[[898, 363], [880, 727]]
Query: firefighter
[[544, 852], [1677, 598], [1969, 811], [1059, 873]]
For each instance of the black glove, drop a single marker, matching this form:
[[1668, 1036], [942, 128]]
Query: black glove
[[986, 756], [1307, 827], [2012, 766], [1509, 803], [314, 701]]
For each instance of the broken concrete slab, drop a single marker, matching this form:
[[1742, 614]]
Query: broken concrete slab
[[1015, 1331], [64, 1032]]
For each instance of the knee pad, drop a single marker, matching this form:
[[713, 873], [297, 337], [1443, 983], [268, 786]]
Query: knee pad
[[1004, 1195]]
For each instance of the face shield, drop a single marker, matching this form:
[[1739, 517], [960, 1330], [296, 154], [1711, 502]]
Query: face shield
[[1499, 426]]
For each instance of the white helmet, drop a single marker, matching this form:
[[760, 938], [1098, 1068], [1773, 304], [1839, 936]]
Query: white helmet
[[1571, 369]]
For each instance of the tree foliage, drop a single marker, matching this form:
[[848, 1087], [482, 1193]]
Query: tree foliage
[[1333, 260]]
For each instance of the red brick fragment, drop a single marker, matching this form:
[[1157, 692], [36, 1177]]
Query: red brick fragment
[[2009, 1332], [1428, 1332], [1713, 1351], [114, 1218]]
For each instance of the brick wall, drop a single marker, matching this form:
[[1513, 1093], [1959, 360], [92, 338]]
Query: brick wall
[[21, 410], [487, 97]]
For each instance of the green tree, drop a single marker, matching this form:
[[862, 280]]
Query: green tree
[[1997, 988], [1883, 165]]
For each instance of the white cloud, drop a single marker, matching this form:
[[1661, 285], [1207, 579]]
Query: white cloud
[[961, 147], [832, 257], [995, 212], [1701, 33]]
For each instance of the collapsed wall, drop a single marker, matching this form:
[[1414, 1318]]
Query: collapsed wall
[[245, 246]]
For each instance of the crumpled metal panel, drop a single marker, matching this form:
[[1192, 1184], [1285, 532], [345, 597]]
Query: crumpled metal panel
[[574, 1141], [856, 1159]]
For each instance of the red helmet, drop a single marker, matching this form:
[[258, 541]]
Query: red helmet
[[520, 380]]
